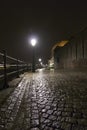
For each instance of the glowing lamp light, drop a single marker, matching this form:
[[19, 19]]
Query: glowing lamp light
[[33, 42], [40, 59]]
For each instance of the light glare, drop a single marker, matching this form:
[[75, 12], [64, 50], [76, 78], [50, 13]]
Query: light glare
[[40, 59], [33, 42]]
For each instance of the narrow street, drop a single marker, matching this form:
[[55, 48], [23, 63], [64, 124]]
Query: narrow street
[[47, 101]]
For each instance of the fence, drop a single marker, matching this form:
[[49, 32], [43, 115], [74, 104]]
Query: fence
[[10, 67]]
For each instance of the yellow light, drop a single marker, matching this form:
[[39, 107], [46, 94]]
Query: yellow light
[[62, 43]]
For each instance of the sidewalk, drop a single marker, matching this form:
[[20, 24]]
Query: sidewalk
[[47, 101]]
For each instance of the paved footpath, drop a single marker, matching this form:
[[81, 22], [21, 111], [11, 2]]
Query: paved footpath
[[47, 101]]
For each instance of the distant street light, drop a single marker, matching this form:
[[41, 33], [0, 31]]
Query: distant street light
[[33, 43], [40, 59]]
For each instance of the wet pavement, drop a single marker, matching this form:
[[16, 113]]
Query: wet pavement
[[47, 101]]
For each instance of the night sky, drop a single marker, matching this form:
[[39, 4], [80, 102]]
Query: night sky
[[49, 21]]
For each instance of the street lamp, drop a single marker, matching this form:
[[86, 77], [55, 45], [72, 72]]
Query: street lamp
[[33, 43], [39, 59]]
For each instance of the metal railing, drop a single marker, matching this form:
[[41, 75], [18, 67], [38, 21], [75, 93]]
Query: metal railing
[[11, 67]]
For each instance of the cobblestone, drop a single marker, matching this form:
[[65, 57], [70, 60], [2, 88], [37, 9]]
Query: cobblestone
[[47, 101]]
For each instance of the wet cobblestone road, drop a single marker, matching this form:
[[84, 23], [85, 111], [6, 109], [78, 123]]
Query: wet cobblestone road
[[47, 101]]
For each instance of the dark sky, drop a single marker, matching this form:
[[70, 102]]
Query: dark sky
[[50, 21]]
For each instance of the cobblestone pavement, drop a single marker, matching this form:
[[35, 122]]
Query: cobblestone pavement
[[47, 101]]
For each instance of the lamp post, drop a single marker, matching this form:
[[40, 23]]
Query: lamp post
[[33, 43]]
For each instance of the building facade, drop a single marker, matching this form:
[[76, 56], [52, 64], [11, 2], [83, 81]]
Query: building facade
[[73, 54]]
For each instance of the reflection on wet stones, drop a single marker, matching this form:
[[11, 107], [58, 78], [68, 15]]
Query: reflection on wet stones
[[48, 101]]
